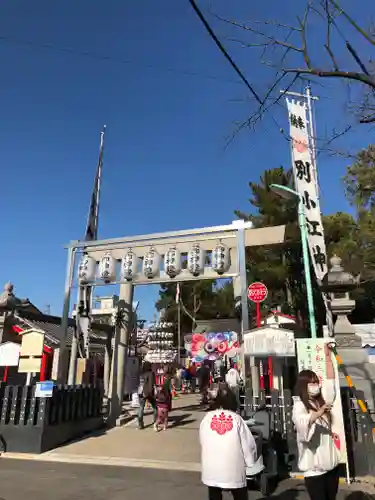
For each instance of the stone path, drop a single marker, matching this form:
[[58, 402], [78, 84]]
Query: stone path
[[178, 444]]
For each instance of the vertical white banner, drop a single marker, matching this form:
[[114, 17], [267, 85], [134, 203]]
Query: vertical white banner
[[307, 186]]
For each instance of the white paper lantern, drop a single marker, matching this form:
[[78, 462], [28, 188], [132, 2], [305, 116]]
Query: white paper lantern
[[220, 261], [196, 258], [86, 270], [172, 262], [151, 264], [107, 268], [129, 266]]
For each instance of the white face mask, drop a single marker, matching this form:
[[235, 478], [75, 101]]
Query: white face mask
[[313, 389]]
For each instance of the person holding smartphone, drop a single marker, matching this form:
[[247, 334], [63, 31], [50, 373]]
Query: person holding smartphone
[[318, 456]]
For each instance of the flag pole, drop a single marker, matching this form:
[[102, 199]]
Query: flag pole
[[84, 295], [99, 183]]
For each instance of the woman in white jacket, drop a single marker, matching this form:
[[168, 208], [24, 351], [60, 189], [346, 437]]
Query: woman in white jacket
[[228, 448], [318, 457]]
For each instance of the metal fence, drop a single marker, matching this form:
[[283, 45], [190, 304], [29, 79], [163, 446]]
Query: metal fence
[[29, 424]]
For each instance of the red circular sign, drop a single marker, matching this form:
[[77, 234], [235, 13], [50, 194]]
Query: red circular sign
[[257, 292]]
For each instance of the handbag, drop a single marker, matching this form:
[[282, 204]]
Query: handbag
[[135, 400]]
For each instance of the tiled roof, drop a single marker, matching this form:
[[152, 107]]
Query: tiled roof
[[51, 325]]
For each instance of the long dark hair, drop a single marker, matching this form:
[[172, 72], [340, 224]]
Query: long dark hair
[[225, 399], [306, 377]]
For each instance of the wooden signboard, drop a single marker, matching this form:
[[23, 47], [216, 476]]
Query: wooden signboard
[[32, 343], [29, 365], [32, 347]]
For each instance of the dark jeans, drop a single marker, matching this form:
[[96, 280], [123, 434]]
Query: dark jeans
[[217, 493], [324, 486], [141, 410]]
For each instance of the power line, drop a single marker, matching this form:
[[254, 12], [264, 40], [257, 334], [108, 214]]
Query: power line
[[99, 57], [224, 52]]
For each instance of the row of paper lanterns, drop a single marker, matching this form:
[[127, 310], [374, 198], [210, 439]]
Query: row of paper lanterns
[[160, 335], [161, 356], [160, 343], [220, 263], [160, 326]]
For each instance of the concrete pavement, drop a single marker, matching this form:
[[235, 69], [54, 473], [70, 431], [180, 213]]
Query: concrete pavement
[[169, 460], [178, 446], [20, 479]]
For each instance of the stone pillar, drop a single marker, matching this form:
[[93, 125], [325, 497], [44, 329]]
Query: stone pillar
[[107, 363], [126, 300], [119, 355], [72, 374]]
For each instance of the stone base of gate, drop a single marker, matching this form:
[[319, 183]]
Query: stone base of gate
[[31, 424], [35, 440]]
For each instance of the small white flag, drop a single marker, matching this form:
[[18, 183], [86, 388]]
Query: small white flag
[[178, 293]]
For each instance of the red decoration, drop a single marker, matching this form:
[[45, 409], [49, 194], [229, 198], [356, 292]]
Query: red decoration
[[336, 440], [221, 423], [198, 337], [300, 145], [222, 347]]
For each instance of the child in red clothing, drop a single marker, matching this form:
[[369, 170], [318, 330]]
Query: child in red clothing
[[162, 405]]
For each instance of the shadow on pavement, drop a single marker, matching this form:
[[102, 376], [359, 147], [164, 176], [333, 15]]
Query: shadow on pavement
[[91, 434], [359, 495], [180, 420], [299, 492], [289, 494], [194, 407], [176, 421]]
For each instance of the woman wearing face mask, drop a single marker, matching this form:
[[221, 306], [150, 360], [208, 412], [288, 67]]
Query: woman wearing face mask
[[318, 457]]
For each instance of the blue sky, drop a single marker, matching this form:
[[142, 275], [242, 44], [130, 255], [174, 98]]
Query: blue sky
[[147, 70]]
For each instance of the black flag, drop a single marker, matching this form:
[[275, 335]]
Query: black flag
[[83, 320], [93, 217]]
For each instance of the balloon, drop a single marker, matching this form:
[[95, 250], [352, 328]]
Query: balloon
[[198, 337], [209, 347], [222, 347]]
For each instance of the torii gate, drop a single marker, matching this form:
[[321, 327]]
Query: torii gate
[[236, 236]]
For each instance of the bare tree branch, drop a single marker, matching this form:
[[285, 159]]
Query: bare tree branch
[[271, 40], [303, 25], [285, 48], [357, 58], [351, 21], [327, 45], [350, 75]]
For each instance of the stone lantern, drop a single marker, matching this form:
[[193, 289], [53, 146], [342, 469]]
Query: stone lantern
[[338, 284]]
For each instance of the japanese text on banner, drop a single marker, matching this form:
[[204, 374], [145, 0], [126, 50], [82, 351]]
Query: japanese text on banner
[[306, 184]]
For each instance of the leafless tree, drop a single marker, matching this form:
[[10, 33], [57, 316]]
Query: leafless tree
[[292, 52]]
